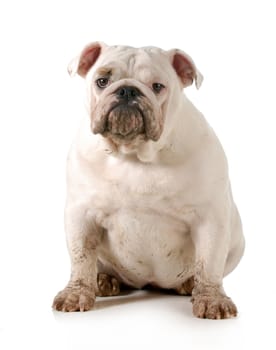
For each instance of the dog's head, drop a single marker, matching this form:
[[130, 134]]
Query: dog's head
[[130, 90]]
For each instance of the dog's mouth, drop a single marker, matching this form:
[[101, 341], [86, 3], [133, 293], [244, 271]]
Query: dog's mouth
[[124, 121]]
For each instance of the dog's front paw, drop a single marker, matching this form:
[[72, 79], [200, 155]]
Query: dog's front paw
[[77, 297], [214, 307]]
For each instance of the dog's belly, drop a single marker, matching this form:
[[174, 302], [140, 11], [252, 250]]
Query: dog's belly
[[147, 248]]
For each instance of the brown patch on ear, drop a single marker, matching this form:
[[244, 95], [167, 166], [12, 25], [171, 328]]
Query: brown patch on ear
[[183, 69], [86, 59]]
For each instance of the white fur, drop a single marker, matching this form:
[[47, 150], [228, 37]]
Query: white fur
[[166, 207]]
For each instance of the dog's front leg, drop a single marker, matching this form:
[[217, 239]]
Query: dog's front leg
[[83, 237], [212, 238]]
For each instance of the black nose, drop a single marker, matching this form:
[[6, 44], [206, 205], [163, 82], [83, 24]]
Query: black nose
[[128, 92]]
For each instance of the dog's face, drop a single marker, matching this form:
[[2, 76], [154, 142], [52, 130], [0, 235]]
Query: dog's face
[[131, 91]]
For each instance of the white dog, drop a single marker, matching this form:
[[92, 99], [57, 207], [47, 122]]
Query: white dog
[[149, 199]]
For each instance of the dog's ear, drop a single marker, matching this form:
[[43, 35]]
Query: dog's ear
[[89, 55], [185, 68]]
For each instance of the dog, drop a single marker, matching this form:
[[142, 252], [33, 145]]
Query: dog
[[149, 200]]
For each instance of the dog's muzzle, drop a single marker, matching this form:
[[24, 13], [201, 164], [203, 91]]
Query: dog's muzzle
[[126, 113], [125, 121], [125, 118]]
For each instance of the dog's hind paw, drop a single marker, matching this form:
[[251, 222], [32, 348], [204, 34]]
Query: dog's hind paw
[[107, 285]]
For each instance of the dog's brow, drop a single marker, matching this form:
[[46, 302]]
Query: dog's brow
[[104, 71]]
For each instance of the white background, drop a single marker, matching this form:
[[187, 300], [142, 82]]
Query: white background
[[233, 44]]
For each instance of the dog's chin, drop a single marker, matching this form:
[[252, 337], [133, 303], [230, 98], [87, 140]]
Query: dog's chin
[[124, 124]]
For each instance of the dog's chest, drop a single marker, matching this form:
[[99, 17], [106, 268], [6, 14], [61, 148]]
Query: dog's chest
[[145, 222], [146, 190]]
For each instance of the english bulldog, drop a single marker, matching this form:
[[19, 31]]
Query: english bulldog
[[149, 200]]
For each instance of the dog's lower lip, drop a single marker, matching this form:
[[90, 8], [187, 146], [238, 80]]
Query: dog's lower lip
[[128, 134]]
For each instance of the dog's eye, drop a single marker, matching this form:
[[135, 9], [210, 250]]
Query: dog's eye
[[157, 87], [102, 82]]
